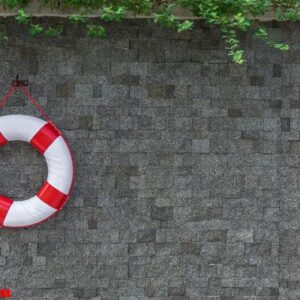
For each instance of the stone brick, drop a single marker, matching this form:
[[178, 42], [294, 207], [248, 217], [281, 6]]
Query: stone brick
[[272, 124], [115, 91], [141, 249], [149, 291], [85, 122], [276, 70], [191, 249], [97, 90], [207, 213], [28, 53], [126, 80], [241, 236], [235, 249], [233, 112], [294, 146], [176, 291], [285, 124], [275, 104], [151, 54], [161, 91], [257, 80], [162, 213], [146, 236], [59, 283], [83, 90], [216, 235], [65, 90], [27, 261], [201, 146], [92, 224]]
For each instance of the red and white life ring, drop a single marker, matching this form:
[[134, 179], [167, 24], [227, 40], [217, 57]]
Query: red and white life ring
[[52, 196]]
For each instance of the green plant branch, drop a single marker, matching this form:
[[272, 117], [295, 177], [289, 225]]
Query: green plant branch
[[231, 16]]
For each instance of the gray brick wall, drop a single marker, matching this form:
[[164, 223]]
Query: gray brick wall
[[187, 178]]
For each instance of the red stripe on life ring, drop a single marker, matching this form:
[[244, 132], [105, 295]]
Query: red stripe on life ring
[[5, 293], [3, 140], [44, 137], [5, 204], [52, 196]]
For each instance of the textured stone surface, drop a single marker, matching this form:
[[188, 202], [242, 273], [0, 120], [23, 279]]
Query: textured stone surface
[[187, 166]]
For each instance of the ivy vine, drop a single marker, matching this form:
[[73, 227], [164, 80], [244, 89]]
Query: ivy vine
[[231, 16]]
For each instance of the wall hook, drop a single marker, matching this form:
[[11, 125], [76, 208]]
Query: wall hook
[[18, 82]]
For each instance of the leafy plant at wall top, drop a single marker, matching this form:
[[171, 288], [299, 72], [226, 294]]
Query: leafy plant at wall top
[[231, 16]]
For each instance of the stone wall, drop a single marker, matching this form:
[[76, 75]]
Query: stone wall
[[187, 166]]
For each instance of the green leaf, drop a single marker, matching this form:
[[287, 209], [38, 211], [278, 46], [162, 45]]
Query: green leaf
[[11, 3], [166, 20], [35, 29], [96, 31], [110, 14], [238, 57], [54, 31], [78, 19], [261, 33], [279, 46], [240, 21], [185, 25], [232, 44], [140, 7], [22, 17]]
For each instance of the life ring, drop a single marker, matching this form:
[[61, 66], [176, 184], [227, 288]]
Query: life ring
[[53, 195]]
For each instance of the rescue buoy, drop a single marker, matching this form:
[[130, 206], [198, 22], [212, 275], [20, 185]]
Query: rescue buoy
[[55, 192]]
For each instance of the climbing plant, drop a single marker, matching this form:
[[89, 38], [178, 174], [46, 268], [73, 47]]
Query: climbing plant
[[231, 16]]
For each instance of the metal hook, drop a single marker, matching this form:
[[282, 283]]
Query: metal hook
[[18, 82]]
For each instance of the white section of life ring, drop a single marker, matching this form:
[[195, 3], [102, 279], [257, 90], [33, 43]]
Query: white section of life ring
[[20, 127], [60, 171], [59, 164], [27, 212]]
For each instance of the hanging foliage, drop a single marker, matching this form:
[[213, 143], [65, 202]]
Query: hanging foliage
[[231, 16]]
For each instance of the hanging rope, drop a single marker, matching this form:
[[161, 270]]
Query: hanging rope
[[7, 96], [38, 107], [14, 86]]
